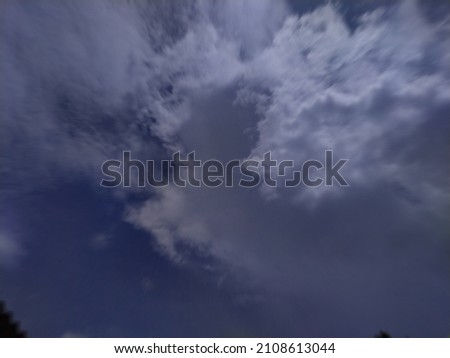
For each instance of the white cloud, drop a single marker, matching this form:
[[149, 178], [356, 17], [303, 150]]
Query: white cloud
[[172, 220], [331, 88], [365, 93], [79, 95]]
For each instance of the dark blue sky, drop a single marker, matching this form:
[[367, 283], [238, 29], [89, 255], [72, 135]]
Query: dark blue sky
[[83, 81]]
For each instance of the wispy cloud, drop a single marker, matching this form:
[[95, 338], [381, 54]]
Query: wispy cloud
[[10, 249]]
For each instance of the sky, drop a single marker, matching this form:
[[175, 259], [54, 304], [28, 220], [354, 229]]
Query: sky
[[83, 81]]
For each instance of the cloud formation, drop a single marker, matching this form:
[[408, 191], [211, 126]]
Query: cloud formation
[[366, 93], [102, 77]]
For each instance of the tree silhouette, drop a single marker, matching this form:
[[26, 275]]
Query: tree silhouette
[[383, 334], [9, 328]]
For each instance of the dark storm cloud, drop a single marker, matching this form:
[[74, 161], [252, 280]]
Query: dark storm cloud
[[86, 80]]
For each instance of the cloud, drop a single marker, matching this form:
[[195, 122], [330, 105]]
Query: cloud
[[361, 93], [86, 80], [366, 93], [374, 97], [100, 241], [71, 334], [169, 219], [10, 250], [64, 84]]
